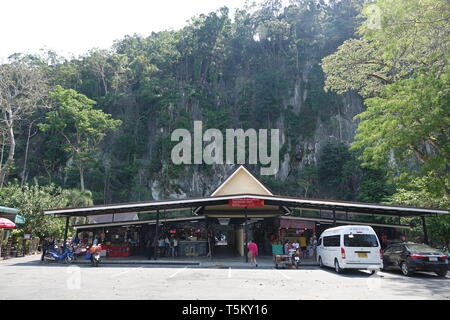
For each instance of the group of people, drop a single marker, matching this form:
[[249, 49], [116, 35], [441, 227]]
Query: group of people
[[301, 247], [167, 246]]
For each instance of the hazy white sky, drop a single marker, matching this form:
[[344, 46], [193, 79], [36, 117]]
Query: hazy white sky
[[75, 26]]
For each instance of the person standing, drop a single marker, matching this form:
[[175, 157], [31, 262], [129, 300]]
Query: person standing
[[151, 248], [314, 247], [167, 246], [286, 247], [252, 251], [303, 245], [175, 247], [171, 248], [384, 240], [295, 245], [161, 246]]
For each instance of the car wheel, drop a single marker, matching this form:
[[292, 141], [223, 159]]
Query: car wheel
[[337, 268], [320, 262], [405, 269], [442, 274]]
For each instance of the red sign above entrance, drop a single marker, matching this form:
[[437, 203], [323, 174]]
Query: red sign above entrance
[[246, 202]]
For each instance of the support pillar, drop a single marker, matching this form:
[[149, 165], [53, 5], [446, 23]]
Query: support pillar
[[425, 232], [156, 235], [246, 238], [66, 230], [334, 218]]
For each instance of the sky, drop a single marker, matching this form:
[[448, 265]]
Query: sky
[[72, 27]]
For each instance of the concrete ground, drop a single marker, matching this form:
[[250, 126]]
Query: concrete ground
[[28, 278], [233, 262]]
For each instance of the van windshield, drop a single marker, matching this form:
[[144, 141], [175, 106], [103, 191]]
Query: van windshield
[[360, 240]]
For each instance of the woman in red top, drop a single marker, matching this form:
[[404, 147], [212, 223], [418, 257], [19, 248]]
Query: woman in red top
[[252, 251]]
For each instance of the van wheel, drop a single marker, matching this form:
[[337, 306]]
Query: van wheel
[[405, 269], [320, 262], [337, 268]]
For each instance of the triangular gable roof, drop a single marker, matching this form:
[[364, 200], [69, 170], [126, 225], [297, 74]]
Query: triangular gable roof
[[239, 182]]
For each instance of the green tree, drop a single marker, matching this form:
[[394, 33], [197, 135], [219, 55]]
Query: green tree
[[308, 180], [338, 171], [410, 118], [23, 88], [82, 126], [32, 200], [396, 39], [400, 64], [416, 193]]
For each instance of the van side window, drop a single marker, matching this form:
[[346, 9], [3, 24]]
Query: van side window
[[332, 241], [319, 243]]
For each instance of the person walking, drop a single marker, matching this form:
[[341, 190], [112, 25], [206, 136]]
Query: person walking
[[252, 252]]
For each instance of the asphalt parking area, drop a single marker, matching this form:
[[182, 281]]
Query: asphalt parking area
[[34, 280]]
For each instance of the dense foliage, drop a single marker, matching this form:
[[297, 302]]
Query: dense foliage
[[398, 60], [102, 121]]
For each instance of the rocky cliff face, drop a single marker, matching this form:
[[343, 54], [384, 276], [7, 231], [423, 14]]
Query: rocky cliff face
[[336, 126]]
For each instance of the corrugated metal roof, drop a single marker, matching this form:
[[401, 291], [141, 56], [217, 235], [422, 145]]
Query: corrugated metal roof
[[294, 202]]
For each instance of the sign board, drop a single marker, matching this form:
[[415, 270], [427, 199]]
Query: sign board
[[246, 202]]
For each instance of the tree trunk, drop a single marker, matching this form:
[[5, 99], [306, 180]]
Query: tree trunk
[[81, 177], [26, 154], [12, 148]]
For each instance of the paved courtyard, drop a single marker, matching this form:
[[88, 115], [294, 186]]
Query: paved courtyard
[[28, 278]]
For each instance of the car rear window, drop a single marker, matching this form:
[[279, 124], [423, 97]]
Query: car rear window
[[420, 248], [360, 240]]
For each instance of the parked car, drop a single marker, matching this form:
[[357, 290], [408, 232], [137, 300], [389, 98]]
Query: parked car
[[411, 257], [350, 247]]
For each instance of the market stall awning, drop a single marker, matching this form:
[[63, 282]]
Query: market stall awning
[[8, 210], [8, 213], [19, 219], [6, 223]]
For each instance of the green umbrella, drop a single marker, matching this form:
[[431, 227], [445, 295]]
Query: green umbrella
[[19, 219]]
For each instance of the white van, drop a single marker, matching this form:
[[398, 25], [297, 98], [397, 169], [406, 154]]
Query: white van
[[350, 247]]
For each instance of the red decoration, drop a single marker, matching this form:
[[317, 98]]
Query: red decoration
[[246, 202]]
